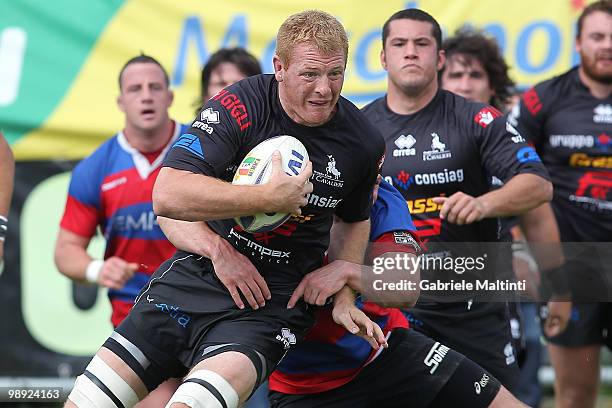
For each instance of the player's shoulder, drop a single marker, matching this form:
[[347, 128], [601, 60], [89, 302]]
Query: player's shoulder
[[376, 106], [254, 89], [247, 99], [369, 135], [557, 86], [472, 114], [103, 153]]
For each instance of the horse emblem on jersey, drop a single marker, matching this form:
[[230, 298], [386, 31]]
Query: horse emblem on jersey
[[436, 144], [331, 177], [438, 149], [331, 167]]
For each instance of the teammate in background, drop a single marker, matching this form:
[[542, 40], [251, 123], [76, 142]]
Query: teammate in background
[[223, 68], [475, 69], [7, 174], [112, 189], [569, 120], [439, 149], [186, 321]]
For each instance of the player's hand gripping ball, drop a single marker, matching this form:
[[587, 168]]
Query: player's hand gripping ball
[[256, 168]]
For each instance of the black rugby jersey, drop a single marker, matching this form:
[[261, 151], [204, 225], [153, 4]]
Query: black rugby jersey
[[449, 146], [345, 153], [572, 132]]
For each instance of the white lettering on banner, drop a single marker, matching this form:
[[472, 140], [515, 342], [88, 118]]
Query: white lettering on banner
[[13, 42]]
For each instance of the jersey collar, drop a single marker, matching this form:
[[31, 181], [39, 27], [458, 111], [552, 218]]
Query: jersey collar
[[141, 163]]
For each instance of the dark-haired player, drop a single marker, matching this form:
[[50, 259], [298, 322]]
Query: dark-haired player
[[569, 119], [440, 148]]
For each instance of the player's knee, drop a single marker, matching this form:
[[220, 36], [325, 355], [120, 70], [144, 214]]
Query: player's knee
[[576, 396], [101, 387], [204, 389], [504, 399]]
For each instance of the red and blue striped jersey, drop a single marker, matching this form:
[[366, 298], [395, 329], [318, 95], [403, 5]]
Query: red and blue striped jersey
[[112, 189], [330, 356]]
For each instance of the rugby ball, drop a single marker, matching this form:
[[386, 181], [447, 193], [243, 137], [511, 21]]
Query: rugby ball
[[256, 168]]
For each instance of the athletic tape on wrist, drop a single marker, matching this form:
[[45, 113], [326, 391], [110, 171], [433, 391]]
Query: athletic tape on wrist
[[93, 270], [3, 227], [555, 282]]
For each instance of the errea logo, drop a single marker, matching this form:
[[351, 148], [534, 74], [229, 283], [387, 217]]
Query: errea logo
[[404, 144], [516, 138], [602, 113], [207, 117], [210, 116]]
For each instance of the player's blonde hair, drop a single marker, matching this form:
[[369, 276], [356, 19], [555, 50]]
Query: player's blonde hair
[[311, 26]]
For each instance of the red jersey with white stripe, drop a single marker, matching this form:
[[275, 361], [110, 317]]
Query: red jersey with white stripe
[[112, 190]]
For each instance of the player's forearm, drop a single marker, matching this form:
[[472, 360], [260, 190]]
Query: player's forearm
[[72, 261], [187, 196], [521, 193], [194, 237], [348, 241], [7, 174], [541, 231], [346, 294]]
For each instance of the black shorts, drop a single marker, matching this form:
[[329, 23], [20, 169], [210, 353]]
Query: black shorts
[[185, 313], [415, 371], [590, 324], [480, 331]]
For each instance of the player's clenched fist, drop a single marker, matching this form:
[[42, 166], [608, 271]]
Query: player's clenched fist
[[461, 208], [116, 272], [288, 193]]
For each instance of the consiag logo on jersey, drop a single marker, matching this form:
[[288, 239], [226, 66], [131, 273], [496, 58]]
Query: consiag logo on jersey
[[403, 180], [527, 154], [603, 142], [486, 116]]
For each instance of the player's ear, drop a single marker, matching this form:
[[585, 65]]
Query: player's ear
[[383, 59], [278, 68], [441, 59], [120, 103], [577, 45], [170, 97]]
